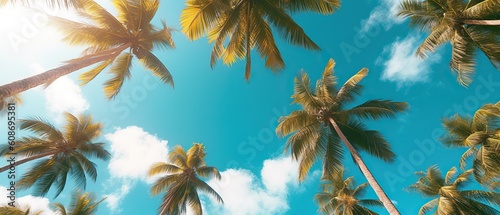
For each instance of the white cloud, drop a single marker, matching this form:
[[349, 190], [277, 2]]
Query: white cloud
[[35, 204], [244, 194], [278, 174], [113, 200], [403, 66], [384, 14], [63, 95], [133, 151]]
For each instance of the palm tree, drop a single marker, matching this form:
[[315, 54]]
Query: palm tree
[[9, 210], [340, 196], [481, 136], [467, 25], [323, 121], [113, 41], [181, 181], [238, 26], [449, 196], [64, 153], [81, 204]]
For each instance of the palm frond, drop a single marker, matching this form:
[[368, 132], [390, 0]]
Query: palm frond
[[287, 28], [163, 168], [304, 95], [204, 187], [266, 45], [438, 36], [294, 122], [42, 128], [120, 71], [208, 172], [370, 141], [376, 109], [178, 157], [350, 87], [88, 76], [153, 64], [462, 57], [428, 207], [198, 17], [318, 6]]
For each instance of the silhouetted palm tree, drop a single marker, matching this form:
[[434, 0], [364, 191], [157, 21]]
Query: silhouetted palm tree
[[181, 183], [317, 130]]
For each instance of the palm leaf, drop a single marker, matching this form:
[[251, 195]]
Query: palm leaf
[[153, 64], [350, 87]]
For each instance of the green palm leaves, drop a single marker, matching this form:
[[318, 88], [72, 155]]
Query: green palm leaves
[[236, 27], [481, 136], [311, 135], [449, 196], [59, 153], [9, 210], [181, 182], [341, 195], [316, 131], [131, 30], [468, 26], [81, 204], [112, 42]]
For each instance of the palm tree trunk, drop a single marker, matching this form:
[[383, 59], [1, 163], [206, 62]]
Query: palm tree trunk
[[481, 22], [366, 172], [22, 85], [249, 64], [3, 169]]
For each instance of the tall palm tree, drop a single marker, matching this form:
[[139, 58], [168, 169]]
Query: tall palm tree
[[449, 196], [113, 41], [481, 136], [467, 25], [181, 182], [238, 26], [324, 121], [60, 153], [81, 204], [341, 196]]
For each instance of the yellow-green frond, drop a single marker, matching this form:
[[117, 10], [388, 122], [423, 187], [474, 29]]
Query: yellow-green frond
[[88, 76], [198, 17], [153, 64], [120, 69]]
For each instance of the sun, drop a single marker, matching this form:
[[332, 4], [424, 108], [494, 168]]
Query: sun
[[10, 17], [28, 29], [24, 20]]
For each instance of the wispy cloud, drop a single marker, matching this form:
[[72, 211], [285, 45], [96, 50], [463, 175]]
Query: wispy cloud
[[385, 14], [246, 194], [133, 151], [35, 204], [403, 66], [63, 95]]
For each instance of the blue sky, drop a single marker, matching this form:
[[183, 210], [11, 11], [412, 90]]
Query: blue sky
[[236, 120]]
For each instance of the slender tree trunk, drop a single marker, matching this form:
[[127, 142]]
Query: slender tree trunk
[[27, 160], [481, 22], [249, 62], [366, 172], [22, 85]]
